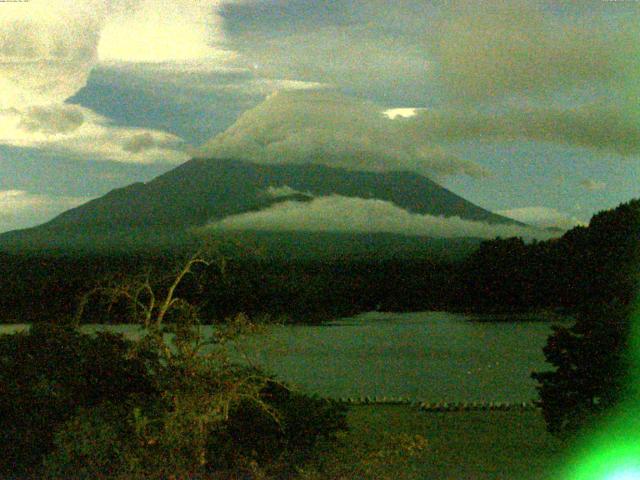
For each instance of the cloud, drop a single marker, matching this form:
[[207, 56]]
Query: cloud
[[142, 142], [52, 120], [196, 80], [48, 48], [488, 51], [21, 209], [362, 57], [542, 217], [406, 112], [160, 31], [337, 213], [502, 70], [592, 185], [329, 128], [432, 52], [599, 126], [79, 132], [284, 191]]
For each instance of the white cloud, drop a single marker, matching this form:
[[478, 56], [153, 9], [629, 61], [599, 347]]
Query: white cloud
[[329, 128], [284, 191], [161, 31], [542, 217], [592, 185], [21, 209], [47, 49], [337, 213], [78, 131], [393, 113]]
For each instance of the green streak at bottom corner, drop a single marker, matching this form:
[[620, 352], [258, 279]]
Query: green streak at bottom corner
[[612, 451]]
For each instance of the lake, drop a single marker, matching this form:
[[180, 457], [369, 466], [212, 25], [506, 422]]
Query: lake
[[429, 356]]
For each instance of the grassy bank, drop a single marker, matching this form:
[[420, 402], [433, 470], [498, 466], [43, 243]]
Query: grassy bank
[[456, 446]]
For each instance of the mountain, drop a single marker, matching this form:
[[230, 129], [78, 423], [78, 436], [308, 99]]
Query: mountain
[[167, 210]]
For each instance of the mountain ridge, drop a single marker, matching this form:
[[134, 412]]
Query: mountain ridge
[[203, 190]]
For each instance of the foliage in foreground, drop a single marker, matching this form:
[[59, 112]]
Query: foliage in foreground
[[164, 406], [47, 373], [103, 407], [376, 459]]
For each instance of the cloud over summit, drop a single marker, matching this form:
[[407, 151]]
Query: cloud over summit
[[326, 127]]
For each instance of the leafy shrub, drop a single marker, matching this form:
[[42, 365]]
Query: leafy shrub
[[174, 437], [379, 458], [97, 442], [283, 435], [49, 372]]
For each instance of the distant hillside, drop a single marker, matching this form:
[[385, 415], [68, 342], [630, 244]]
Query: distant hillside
[[164, 211]]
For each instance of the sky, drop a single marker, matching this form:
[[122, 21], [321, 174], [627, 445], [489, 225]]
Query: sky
[[527, 108]]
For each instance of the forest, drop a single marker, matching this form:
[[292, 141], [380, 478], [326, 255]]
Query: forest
[[584, 266]]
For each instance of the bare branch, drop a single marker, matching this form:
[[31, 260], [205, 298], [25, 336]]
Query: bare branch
[[168, 300]]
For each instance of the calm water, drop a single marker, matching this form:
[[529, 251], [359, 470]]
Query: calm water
[[431, 356]]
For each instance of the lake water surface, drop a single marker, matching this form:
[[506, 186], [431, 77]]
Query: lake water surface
[[430, 356]]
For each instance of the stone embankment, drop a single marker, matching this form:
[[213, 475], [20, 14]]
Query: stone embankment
[[443, 406]]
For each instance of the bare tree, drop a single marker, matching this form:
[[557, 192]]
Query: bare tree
[[148, 306]]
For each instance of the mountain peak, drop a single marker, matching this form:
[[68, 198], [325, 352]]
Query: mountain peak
[[205, 190]]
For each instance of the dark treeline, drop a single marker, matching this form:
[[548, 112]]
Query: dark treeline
[[44, 287], [586, 265]]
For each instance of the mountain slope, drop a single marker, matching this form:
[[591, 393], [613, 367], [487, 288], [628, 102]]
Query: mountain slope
[[202, 190]]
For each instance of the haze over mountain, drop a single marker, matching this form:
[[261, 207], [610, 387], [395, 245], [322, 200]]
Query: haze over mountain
[[207, 195]]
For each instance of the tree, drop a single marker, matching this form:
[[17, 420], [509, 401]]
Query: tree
[[212, 415], [591, 361], [593, 358]]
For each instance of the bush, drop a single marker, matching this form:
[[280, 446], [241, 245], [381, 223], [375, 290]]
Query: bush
[[47, 374], [165, 438], [97, 442], [282, 436], [100, 407]]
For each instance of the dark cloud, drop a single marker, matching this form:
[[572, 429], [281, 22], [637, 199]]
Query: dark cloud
[[139, 143], [491, 50], [592, 185], [432, 53], [52, 119], [346, 44], [600, 126]]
